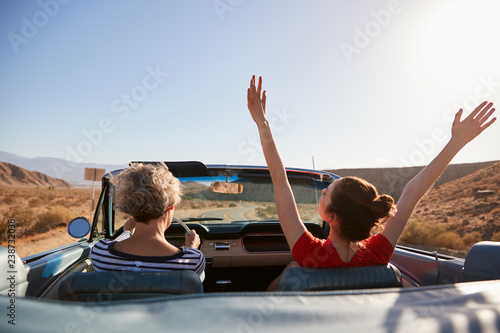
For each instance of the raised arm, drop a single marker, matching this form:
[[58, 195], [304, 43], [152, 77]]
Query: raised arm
[[286, 207], [462, 133]]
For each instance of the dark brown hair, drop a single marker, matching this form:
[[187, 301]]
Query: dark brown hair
[[359, 207]]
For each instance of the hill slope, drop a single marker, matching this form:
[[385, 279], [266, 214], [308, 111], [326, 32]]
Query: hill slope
[[393, 180], [12, 175], [457, 205]]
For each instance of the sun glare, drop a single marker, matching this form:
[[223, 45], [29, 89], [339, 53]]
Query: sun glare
[[461, 43]]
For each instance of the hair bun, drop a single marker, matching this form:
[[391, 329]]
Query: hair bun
[[382, 207]]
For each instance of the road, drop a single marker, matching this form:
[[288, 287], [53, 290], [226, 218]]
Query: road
[[231, 214]]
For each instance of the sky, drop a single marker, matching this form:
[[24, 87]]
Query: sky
[[350, 84]]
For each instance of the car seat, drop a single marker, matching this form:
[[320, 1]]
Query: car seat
[[122, 285], [337, 278], [482, 262], [13, 274]]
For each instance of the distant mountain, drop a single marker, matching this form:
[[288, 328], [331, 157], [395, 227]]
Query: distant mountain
[[387, 180], [13, 175], [57, 167]]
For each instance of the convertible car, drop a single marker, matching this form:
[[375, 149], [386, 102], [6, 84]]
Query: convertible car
[[232, 209]]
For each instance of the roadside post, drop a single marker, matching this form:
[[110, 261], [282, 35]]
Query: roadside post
[[93, 175]]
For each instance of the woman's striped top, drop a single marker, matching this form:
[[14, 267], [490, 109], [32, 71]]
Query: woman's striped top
[[105, 258]]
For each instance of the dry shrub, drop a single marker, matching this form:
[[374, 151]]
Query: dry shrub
[[472, 238], [25, 218], [267, 212], [417, 233], [449, 240], [35, 202], [188, 203], [431, 235], [39, 210], [496, 237], [308, 212], [9, 199], [56, 214], [64, 202], [29, 223], [82, 200]]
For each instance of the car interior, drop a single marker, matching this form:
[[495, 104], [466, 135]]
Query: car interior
[[232, 210]]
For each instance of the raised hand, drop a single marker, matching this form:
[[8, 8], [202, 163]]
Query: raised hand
[[257, 101], [291, 224], [465, 131], [462, 132]]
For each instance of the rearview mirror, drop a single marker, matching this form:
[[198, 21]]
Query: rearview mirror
[[228, 188], [78, 227]]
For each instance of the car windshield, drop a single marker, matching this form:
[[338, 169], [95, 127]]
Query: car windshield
[[255, 202], [240, 199]]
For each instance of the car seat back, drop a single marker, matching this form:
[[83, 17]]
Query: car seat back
[[13, 274], [482, 262], [337, 278], [122, 285]]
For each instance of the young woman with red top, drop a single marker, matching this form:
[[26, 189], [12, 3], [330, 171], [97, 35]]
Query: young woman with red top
[[351, 206]]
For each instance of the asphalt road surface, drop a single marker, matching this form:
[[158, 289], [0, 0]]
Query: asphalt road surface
[[230, 214]]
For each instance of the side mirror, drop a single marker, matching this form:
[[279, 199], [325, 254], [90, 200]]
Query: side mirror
[[229, 188], [78, 227]]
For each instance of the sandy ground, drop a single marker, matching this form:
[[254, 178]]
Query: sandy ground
[[38, 201]]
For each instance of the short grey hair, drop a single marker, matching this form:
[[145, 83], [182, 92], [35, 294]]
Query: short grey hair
[[146, 191]]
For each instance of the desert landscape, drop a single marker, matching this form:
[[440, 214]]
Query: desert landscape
[[459, 213], [462, 208], [41, 206]]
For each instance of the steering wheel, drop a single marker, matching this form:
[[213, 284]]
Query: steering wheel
[[182, 224], [120, 230]]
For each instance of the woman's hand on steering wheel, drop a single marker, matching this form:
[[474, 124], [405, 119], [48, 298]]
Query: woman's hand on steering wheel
[[192, 240]]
